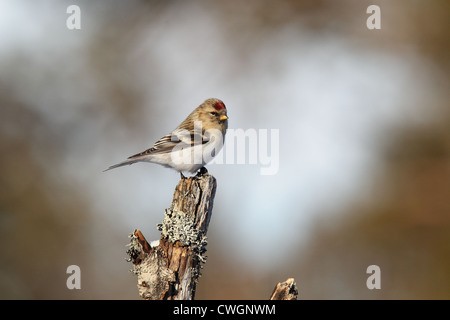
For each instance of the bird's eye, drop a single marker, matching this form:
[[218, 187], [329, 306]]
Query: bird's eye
[[215, 114]]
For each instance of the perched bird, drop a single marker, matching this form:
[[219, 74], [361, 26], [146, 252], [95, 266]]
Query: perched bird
[[192, 144]]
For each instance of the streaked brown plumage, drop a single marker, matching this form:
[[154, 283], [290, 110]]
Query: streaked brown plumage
[[203, 131]]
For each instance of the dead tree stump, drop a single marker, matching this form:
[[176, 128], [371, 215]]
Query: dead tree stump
[[169, 269], [286, 290]]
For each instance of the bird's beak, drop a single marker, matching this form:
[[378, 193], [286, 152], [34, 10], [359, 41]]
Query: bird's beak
[[223, 117]]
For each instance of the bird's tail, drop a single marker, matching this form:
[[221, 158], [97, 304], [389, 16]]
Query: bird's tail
[[123, 163]]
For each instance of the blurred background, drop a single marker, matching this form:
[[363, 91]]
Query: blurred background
[[363, 118]]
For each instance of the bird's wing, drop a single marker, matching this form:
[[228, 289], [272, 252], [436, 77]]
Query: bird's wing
[[171, 140], [165, 144]]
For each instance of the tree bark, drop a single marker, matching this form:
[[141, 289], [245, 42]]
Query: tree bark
[[169, 269]]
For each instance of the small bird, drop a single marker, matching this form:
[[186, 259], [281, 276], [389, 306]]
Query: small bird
[[192, 144]]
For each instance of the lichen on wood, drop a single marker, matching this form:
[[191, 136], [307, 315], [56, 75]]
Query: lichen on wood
[[170, 269]]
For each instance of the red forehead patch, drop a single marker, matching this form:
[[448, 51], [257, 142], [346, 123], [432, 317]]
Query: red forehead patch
[[219, 105]]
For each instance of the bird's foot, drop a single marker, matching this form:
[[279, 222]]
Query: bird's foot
[[201, 172]]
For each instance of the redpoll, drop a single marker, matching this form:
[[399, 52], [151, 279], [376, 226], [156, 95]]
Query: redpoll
[[192, 144]]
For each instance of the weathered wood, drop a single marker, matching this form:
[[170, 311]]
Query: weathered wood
[[169, 269], [286, 290]]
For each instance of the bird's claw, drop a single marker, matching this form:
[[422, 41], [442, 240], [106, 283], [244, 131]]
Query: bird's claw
[[201, 172]]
